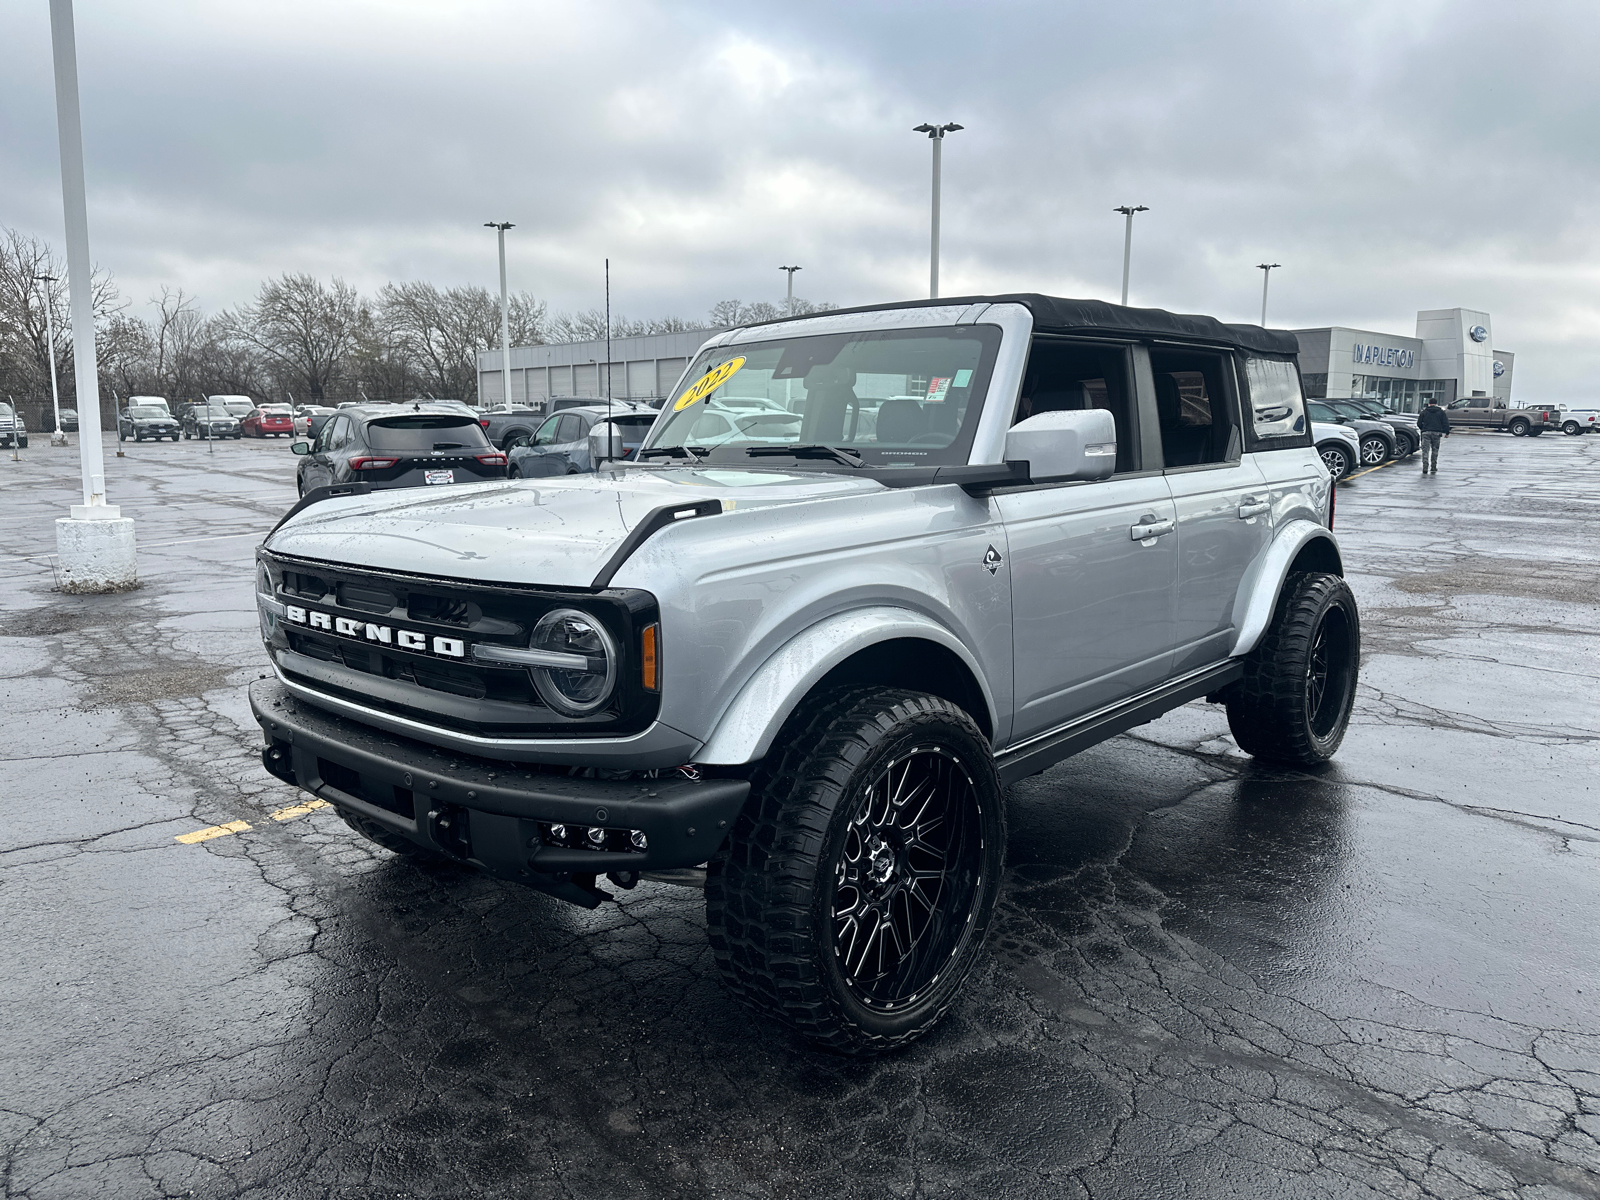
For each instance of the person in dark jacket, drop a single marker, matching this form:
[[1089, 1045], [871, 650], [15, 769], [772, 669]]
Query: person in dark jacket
[[1433, 425]]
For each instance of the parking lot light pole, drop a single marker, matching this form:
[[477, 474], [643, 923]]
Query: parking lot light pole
[[500, 228], [1127, 243], [788, 304], [1266, 274], [95, 545], [57, 438], [936, 136]]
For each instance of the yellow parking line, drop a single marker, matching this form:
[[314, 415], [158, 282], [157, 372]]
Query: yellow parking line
[[1393, 462], [216, 831], [298, 810]]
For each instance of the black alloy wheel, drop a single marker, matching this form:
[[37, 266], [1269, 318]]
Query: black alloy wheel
[[1294, 703], [852, 897], [1336, 459]]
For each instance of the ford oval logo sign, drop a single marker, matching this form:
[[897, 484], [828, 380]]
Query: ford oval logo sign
[[1499, 368], [1478, 333]]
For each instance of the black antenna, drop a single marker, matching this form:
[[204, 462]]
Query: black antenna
[[608, 358]]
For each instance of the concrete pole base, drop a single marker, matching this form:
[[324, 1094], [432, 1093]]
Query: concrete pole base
[[58, 439], [95, 550]]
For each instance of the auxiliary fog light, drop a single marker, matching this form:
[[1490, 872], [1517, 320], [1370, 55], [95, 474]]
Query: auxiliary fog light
[[640, 842], [558, 832], [597, 835]]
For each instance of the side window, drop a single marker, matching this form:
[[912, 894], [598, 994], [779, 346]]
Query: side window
[[1277, 409], [330, 429], [1063, 376], [1192, 402], [547, 432], [570, 429]]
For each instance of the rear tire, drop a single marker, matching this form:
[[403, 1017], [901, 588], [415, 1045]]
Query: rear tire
[[1520, 427], [1572, 429], [1293, 704], [833, 906], [387, 838]]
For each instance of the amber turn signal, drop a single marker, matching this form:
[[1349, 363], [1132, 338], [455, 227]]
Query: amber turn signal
[[649, 661]]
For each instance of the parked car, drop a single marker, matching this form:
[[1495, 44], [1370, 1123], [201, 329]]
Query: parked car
[[1339, 447], [311, 419], [69, 420], [506, 426], [239, 407], [571, 442], [270, 420], [207, 421], [1377, 440], [13, 427], [1574, 421], [150, 402], [1486, 412], [143, 422], [383, 447], [1408, 438], [797, 669]]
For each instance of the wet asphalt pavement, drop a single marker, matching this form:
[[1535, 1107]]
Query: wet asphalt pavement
[[1206, 980]]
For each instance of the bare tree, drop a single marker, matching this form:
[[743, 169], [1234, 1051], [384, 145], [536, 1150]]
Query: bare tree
[[307, 329], [441, 331]]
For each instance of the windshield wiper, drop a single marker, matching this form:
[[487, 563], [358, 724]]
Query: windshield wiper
[[676, 452], [814, 450]]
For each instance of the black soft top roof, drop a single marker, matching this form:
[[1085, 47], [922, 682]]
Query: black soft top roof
[[1057, 315]]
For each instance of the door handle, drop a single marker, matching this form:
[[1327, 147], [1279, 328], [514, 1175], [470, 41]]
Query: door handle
[[1149, 529], [1253, 506]]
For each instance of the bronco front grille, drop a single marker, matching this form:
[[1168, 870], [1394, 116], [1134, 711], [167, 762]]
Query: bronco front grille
[[402, 644]]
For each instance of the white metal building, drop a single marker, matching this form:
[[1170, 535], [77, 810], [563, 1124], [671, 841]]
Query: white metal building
[[1451, 356], [640, 368]]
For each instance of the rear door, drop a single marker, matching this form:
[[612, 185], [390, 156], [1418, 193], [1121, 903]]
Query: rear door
[[1221, 497]]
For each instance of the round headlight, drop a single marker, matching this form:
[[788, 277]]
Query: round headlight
[[575, 692]]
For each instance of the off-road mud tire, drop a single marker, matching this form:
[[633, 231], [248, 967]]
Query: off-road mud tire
[[1271, 712], [387, 838], [769, 891]]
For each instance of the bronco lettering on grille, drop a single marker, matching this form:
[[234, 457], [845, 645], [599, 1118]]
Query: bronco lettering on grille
[[368, 631]]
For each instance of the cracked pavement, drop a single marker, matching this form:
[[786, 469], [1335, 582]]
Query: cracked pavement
[[1206, 979]]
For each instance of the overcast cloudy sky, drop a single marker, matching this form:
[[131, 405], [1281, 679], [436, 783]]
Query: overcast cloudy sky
[[1392, 156]]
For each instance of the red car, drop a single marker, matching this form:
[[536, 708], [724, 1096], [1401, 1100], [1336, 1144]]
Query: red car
[[268, 421]]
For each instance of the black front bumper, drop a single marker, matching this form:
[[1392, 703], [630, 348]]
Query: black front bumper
[[493, 815]]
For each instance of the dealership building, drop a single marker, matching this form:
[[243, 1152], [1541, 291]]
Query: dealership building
[[1451, 357]]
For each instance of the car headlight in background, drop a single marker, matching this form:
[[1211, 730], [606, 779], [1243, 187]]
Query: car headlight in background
[[574, 691]]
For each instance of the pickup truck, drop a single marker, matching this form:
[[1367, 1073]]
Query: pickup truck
[[1574, 421], [1486, 412], [792, 656], [504, 424]]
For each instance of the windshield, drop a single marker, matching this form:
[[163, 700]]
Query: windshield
[[423, 431], [885, 399], [214, 412], [147, 412], [5, 410]]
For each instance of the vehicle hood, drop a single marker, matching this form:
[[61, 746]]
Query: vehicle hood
[[1363, 425], [554, 532], [1322, 430]]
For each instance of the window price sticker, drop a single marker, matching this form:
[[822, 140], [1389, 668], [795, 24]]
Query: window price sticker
[[937, 387]]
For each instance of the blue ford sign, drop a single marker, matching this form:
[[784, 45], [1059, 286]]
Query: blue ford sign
[[1478, 333], [1384, 356], [1499, 368]]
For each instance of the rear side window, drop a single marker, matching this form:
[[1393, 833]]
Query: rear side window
[[1277, 408], [426, 432]]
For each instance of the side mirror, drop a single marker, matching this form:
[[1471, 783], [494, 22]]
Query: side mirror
[[1062, 446], [300, 447], [605, 442]]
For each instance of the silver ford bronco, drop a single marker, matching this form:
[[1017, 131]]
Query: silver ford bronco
[[868, 569]]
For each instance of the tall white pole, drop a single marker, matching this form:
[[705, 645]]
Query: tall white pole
[[1266, 274], [1128, 210], [933, 253], [57, 438], [788, 304], [500, 228], [80, 285]]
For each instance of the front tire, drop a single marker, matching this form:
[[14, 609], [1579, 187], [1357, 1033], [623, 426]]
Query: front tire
[[1293, 704], [386, 838], [852, 898], [1337, 460], [1374, 450]]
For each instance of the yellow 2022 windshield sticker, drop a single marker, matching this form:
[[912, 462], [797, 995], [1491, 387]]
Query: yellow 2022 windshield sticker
[[708, 383]]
